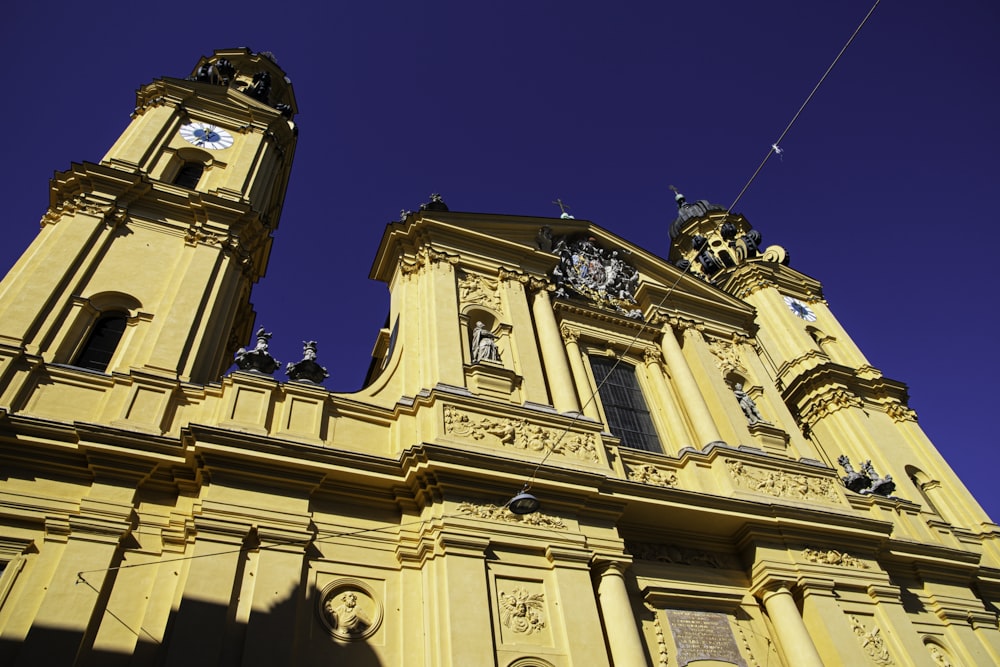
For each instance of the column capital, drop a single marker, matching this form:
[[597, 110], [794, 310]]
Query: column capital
[[569, 335], [510, 275], [539, 285], [652, 355], [617, 565]]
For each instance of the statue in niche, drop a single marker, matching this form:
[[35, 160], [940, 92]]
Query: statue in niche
[[748, 406], [345, 617], [484, 345]]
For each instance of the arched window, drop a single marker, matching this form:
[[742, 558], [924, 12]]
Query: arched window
[[102, 342], [189, 174], [624, 405]]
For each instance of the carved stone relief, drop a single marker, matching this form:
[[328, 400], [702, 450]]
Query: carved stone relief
[[726, 355], [522, 612], [594, 273], [669, 553], [520, 434], [474, 288], [663, 657], [349, 609], [938, 655], [871, 641], [781, 484], [501, 513], [833, 557], [648, 474]]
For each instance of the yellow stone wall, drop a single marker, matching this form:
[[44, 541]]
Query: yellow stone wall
[[161, 513]]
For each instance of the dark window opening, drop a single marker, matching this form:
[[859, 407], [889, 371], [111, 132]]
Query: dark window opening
[[624, 405], [102, 342], [189, 175]]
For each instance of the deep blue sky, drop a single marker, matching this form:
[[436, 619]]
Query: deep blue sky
[[886, 191]]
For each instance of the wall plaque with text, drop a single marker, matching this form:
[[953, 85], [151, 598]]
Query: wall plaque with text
[[702, 635]]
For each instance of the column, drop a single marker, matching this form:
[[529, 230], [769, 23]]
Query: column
[[677, 433], [619, 621], [791, 630], [687, 388], [583, 387], [553, 354]]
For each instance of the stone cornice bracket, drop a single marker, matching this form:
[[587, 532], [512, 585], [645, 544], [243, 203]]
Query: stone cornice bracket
[[425, 257], [504, 274], [150, 103], [536, 284]]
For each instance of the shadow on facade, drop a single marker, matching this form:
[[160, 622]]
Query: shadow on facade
[[197, 634]]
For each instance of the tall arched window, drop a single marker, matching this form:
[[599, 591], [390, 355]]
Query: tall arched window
[[189, 174], [624, 405], [102, 342]]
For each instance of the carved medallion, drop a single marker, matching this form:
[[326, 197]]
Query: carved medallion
[[349, 609], [521, 611]]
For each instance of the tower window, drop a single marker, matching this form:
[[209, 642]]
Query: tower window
[[102, 342], [189, 174], [624, 406]]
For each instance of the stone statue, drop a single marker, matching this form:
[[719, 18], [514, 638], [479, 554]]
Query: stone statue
[[853, 480], [261, 87], [307, 370], [257, 359], [748, 405], [866, 482], [484, 345], [345, 617], [543, 240], [881, 486]]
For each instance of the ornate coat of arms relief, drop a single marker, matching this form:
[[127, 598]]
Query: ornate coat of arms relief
[[590, 271]]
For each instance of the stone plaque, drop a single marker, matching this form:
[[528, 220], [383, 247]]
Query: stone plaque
[[701, 635]]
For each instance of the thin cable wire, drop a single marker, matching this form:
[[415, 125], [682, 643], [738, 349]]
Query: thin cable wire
[[798, 113]]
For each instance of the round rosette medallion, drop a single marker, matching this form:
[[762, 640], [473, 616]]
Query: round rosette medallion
[[349, 609]]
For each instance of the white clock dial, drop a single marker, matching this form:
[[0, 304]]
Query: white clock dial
[[205, 135], [800, 309]]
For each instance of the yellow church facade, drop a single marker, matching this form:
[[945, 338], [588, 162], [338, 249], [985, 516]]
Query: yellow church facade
[[568, 450]]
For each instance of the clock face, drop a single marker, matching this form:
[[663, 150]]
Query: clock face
[[204, 135], [800, 309]]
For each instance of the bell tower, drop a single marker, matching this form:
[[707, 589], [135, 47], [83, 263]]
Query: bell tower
[[846, 406], [145, 260]]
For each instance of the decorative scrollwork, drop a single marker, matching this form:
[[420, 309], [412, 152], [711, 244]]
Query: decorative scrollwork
[[501, 513]]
